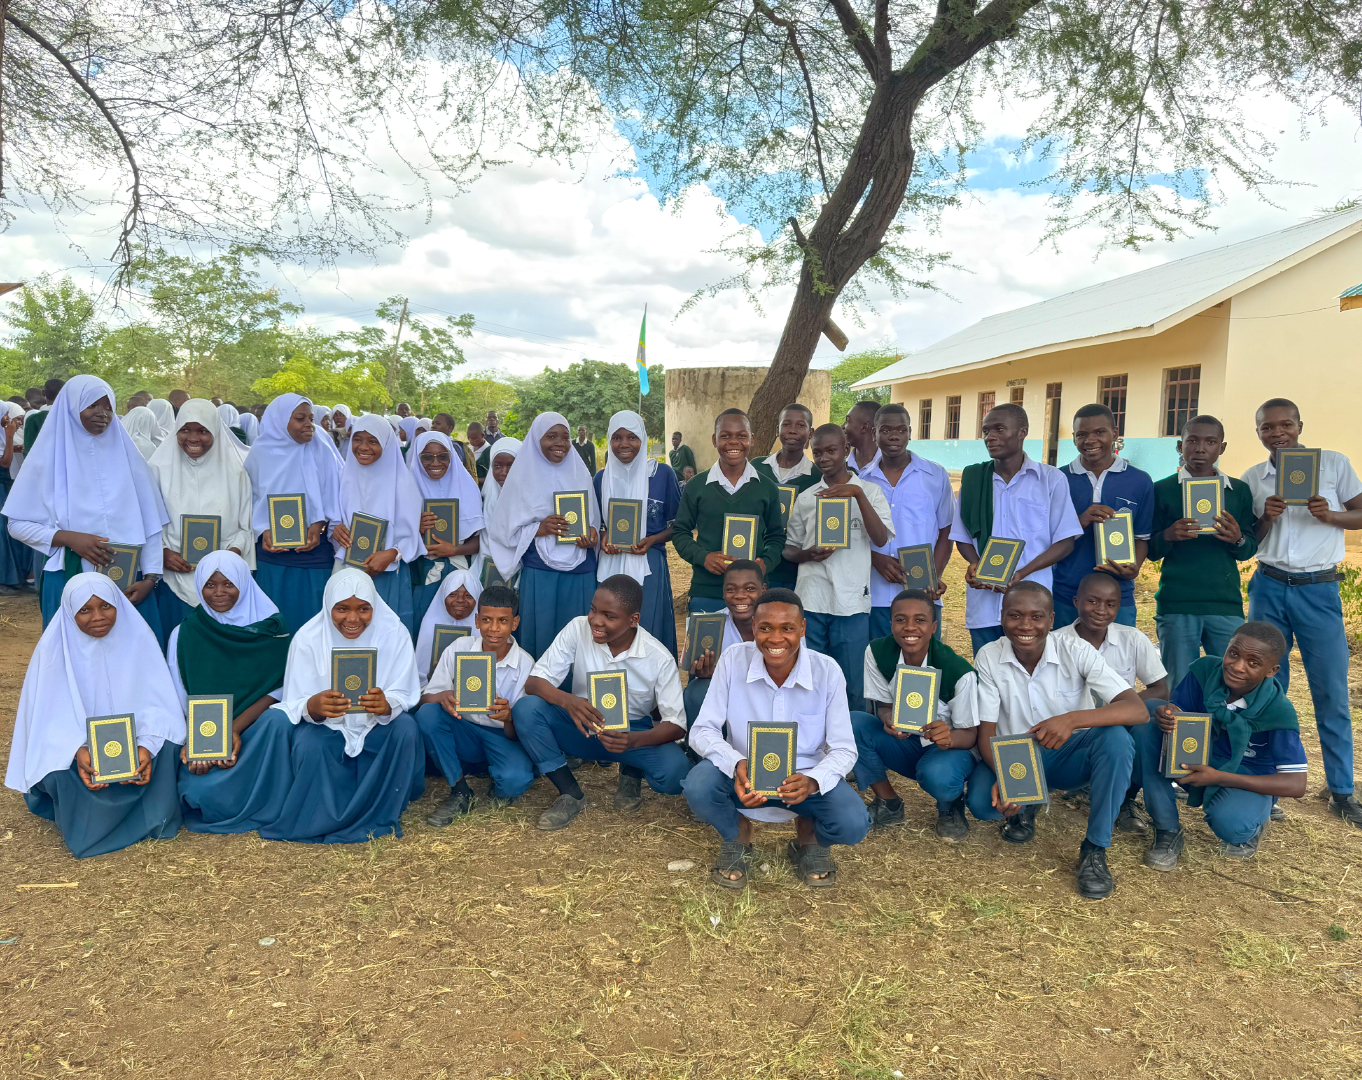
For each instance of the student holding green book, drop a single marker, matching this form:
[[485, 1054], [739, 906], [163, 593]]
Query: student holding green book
[[791, 466]]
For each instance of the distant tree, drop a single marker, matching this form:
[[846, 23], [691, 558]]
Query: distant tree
[[415, 354], [852, 369], [55, 328], [589, 392], [471, 397], [324, 372]]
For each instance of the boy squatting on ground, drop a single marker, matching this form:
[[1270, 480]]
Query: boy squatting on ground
[[1256, 754], [743, 584]]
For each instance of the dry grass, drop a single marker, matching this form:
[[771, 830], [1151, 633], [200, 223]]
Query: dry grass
[[489, 949]]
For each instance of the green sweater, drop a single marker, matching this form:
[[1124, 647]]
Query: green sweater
[[703, 506], [1200, 576], [785, 573]]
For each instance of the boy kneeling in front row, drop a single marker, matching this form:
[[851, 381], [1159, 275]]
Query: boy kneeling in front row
[[1036, 683], [776, 677], [939, 759], [1256, 753]]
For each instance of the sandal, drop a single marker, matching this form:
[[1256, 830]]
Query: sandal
[[733, 855], [813, 859]]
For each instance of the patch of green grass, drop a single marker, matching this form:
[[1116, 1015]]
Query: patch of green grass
[[707, 914], [1337, 933], [1250, 950]]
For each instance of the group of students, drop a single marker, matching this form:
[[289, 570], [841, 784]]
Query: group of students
[[812, 634]]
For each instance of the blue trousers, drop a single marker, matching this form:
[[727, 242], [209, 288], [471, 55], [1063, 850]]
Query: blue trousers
[[839, 816], [982, 636], [1102, 756], [1182, 637], [1233, 814], [942, 774], [1312, 617], [845, 639], [704, 605], [1066, 614], [454, 744], [694, 696], [250, 795], [548, 735], [882, 626]]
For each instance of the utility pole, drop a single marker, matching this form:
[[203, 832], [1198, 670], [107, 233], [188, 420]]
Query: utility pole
[[392, 364]]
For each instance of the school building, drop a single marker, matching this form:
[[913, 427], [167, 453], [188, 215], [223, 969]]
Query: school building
[[1218, 332]]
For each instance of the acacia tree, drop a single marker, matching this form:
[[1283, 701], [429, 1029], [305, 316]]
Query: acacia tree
[[848, 122]]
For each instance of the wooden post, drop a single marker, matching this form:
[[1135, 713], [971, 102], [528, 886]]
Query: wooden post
[[392, 365]]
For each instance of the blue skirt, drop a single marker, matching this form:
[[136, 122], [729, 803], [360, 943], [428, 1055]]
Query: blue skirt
[[335, 799], [172, 609], [659, 616], [250, 795], [296, 591], [98, 822], [549, 600], [54, 583], [394, 588], [16, 559]]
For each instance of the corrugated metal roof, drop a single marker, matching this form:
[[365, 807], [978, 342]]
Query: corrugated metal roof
[[1130, 306], [1356, 290]]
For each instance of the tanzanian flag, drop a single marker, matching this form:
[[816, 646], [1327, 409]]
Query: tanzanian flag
[[642, 358]]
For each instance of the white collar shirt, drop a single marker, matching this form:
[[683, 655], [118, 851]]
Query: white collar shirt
[[511, 674], [1035, 507], [716, 476], [814, 696], [1128, 651], [958, 712], [1184, 475], [650, 672], [1299, 542], [1079, 469], [1068, 675], [802, 467], [921, 505], [840, 584]]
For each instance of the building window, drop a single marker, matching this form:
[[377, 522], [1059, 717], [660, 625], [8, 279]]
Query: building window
[[1053, 392], [1017, 395], [952, 418], [1181, 391], [924, 418], [986, 400], [1111, 392]]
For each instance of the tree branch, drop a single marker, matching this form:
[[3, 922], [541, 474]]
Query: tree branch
[[123, 251], [860, 41], [789, 26]]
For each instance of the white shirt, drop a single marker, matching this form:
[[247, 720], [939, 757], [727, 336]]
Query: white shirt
[[1034, 507], [511, 674], [173, 659], [1127, 651], [1068, 675], [814, 696], [958, 712], [1298, 542], [921, 504], [1184, 475], [840, 584], [802, 467], [716, 476], [39, 537], [650, 671], [1119, 464]]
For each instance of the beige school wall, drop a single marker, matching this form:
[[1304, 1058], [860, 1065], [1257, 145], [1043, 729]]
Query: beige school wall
[[695, 396]]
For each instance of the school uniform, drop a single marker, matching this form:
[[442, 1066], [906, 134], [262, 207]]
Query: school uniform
[[836, 591], [455, 745], [482, 459], [1254, 735], [1069, 674], [1034, 507], [99, 484], [491, 495], [813, 695], [71, 677], [1198, 603], [437, 614], [648, 480], [696, 689], [215, 484], [801, 476], [557, 580], [16, 559], [1296, 589], [942, 774], [1127, 651], [354, 775], [457, 483], [699, 526], [385, 489], [921, 504], [293, 580], [680, 457], [548, 734], [241, 652], [140, 423], [1122, 487]]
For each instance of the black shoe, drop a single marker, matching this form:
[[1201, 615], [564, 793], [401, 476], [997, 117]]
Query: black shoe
[[1277, 814], [629, 794], [560, 814], [951, 824], [1132, 817], [1348, 808], [574, 763], [1021, 827], [456, 805], [1164, 851], [1247, 849], [883, 815], [1094, 878]]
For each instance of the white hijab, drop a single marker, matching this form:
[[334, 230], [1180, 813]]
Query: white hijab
[[528, 499], [345, 412], [455, 484], [491, 493], [384, 489], [309, 659], [279, 466], [436, 615], [141, 425], [72, 677], [252, 605], [407, 425], [164, 412], [97, 484], [250, 425], [626, 482], [214, 484]]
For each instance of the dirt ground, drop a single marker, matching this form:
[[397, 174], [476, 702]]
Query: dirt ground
[[489, 949]]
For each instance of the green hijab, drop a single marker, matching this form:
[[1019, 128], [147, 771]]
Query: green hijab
[[244, 661]]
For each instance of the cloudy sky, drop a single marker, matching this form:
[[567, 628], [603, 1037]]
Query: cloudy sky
[[557, 262]]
